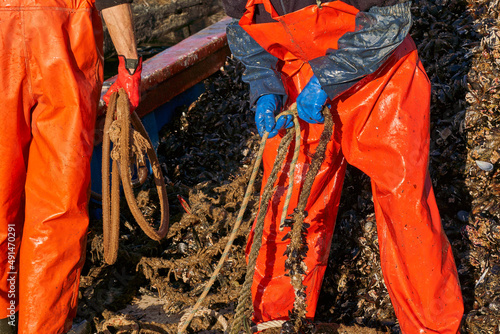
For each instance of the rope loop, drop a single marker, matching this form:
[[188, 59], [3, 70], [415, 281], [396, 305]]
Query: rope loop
[[131, 143]]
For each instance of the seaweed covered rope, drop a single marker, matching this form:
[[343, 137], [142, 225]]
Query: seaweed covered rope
[[297, 248], [191, 312], [128, 142], [244, 309]]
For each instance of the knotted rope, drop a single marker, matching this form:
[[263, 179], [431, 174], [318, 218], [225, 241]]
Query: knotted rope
[[127, 142]]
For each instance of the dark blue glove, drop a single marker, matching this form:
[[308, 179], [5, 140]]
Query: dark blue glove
[[310, 102], [267, 106]]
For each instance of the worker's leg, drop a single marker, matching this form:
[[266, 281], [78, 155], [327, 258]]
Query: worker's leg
[[65, 70], [386, 135], [15, 136], [272, 292]]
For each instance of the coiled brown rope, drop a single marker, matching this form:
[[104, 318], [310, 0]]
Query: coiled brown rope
[[117, 128]]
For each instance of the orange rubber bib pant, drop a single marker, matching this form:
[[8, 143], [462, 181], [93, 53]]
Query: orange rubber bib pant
[[382, 128], [50, 79]]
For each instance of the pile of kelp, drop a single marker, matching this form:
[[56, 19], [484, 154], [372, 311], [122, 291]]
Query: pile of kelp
[[206, 154]]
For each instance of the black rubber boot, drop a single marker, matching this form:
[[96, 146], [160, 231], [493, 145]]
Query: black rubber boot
[[8, 326]]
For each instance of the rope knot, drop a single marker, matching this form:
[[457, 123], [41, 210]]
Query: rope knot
[[114, 132], [138, 146]]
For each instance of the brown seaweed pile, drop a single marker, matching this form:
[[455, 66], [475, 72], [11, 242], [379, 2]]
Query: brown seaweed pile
[[206, 154], [482, 126]]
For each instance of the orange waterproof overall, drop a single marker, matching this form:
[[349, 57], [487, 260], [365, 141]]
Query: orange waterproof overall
[[382, 128], [50, 80]]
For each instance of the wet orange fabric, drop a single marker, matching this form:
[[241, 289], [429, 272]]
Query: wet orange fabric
[[50, 79], [382, 128]]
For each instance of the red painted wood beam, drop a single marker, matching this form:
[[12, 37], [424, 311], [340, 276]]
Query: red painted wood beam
[[176, 69]]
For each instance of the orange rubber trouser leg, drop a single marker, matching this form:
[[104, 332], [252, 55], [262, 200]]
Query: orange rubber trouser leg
[[61, 84], [272, 293], [15, 136], [386, 135]]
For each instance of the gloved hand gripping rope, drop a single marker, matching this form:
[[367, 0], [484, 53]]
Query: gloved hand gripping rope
[[297, 248], [127, 142]]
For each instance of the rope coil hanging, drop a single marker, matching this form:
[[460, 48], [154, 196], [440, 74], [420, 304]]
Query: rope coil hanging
[[130, 139]]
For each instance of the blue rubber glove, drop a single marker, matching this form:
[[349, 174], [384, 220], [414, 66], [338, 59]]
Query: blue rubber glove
[[267, 106], [310, 102]]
